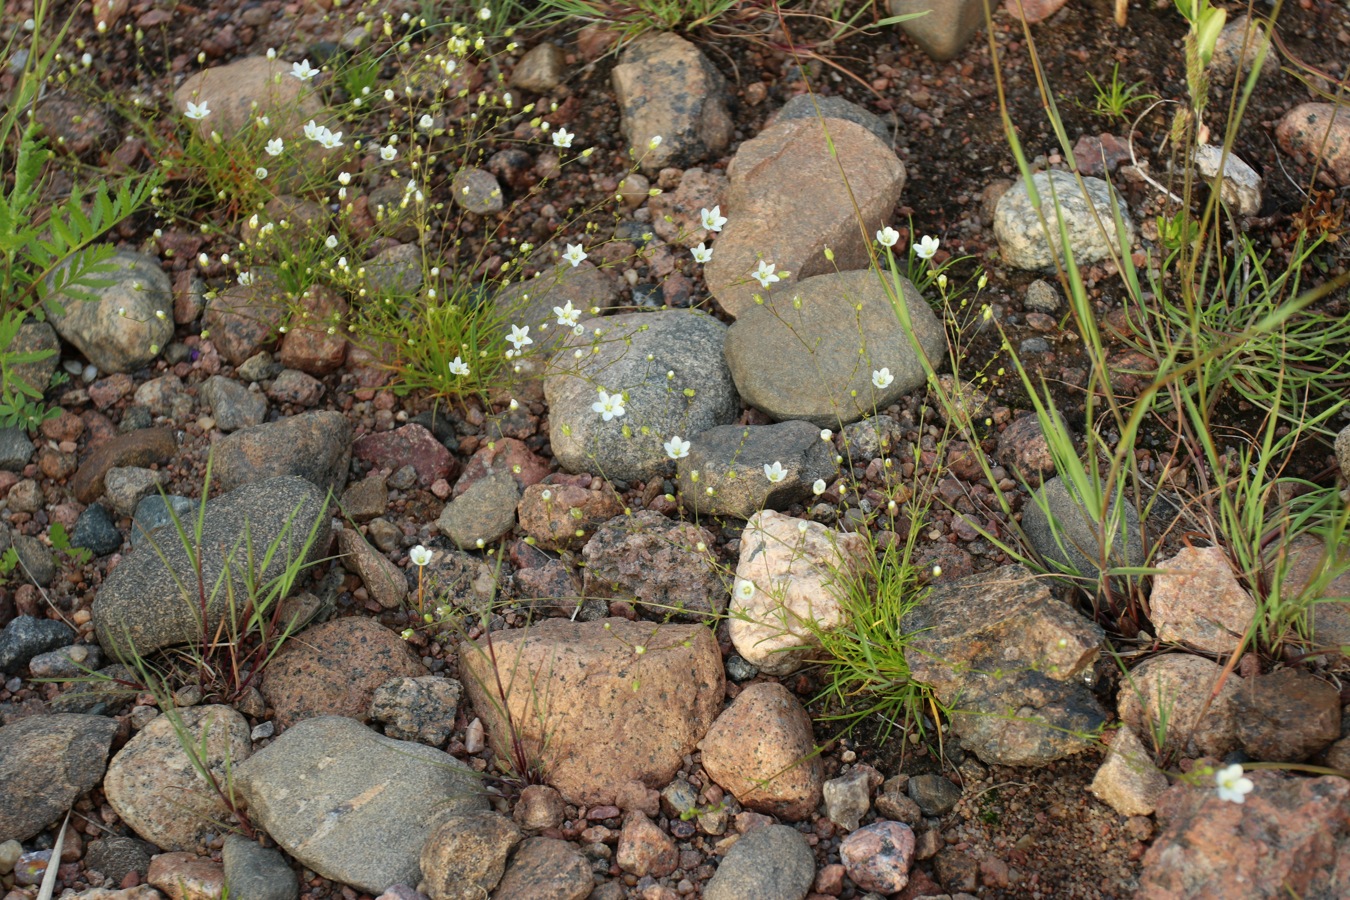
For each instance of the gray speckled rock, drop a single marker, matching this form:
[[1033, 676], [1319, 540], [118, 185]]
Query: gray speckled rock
[[36, 337], [1025, 245], [16, 449], [800, 360], [483, 513], [25, 637], [699, 396], [808, 106], [667, 88], [113, 342], [232, 404], [257, 872], [773, 861], [531, 302], [730, 462], [45, 763], [141, 604], [1075, 540], [351, 804]]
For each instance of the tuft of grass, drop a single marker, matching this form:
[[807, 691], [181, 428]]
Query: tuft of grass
[[1115, 98]]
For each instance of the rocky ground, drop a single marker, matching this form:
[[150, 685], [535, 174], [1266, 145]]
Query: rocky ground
[[544, 648]]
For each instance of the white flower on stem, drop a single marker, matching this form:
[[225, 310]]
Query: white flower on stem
[[609, 406], [654, 142], [567, 315], [389, 95], [519, 337], [764, 274], [275, 147], [562, 138], [927, 247], [485, 13], [388, 152], [882, 378], [826, 434], [260, 173], [775, 473], [303, 71], [819, 487], [312, 129], [702, 253], [330, 140], [331, 242], [574, 254], [245, 278], [888, 236], [459, 367], [712, 219], [197, 111], [419, 555], [676, 448], [425, 122], [745, 589], [1231, 784]]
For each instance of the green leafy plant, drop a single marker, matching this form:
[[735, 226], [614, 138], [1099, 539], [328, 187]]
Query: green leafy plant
[[1115, 98]]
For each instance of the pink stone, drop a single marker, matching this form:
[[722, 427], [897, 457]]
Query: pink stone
[[1034, 11], [877, 856], [411, 445]]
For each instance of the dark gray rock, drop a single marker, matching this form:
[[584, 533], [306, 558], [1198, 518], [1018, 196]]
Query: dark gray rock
[[154, 512], [25, 637], [812, 106], [36, 558], [36, 337], [730, 462], [142, 603], [636, 351], [257, 872], [1062, 530], [117, 855], [316, 446], [45, 763], [96, 532], [127, 321], [16, 449], [1010, 659], [233, 405], [772, 861], [935, 795], [74, 661], [351, 804], [483, 513], [796, 357]]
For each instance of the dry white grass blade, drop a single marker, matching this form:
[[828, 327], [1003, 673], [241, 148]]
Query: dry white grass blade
[[49, 877]]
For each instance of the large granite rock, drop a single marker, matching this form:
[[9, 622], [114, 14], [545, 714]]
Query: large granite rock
[[1026, 245], [150, 601], [316, 446], [120, 316], [46, 762]]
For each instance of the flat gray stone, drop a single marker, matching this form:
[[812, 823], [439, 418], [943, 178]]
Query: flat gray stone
[[232, 404], [797, 357], [257, 872], [112, 341], [16, 449], [483, 513], [26, 637], [730, 461], [141, 603], [46, 762], [808, 106], [772, 861], [1074, 540], [636, 351], [351, 804]]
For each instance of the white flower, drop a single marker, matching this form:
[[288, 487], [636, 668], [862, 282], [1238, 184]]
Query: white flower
[[312, 130], [519, 337], [937, 570], [459, 367], [676, 448], [275, 147], [344, 178], [245, 278], [260, 173], [826, 434], [485, 13], [574, 254], [654, 142], [775, 473], [745, 589], [712, 219], [764, 274], [567, 315], [389, 95], [888, 236], [197, 111], [303, 71], [1231, 784], [882, 378], [819, 487], [562, 138], [425, 122], [419, 555], [702, 253], [926, 247], [331, 242], [609, 406], [330, 140], [388, 152]]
